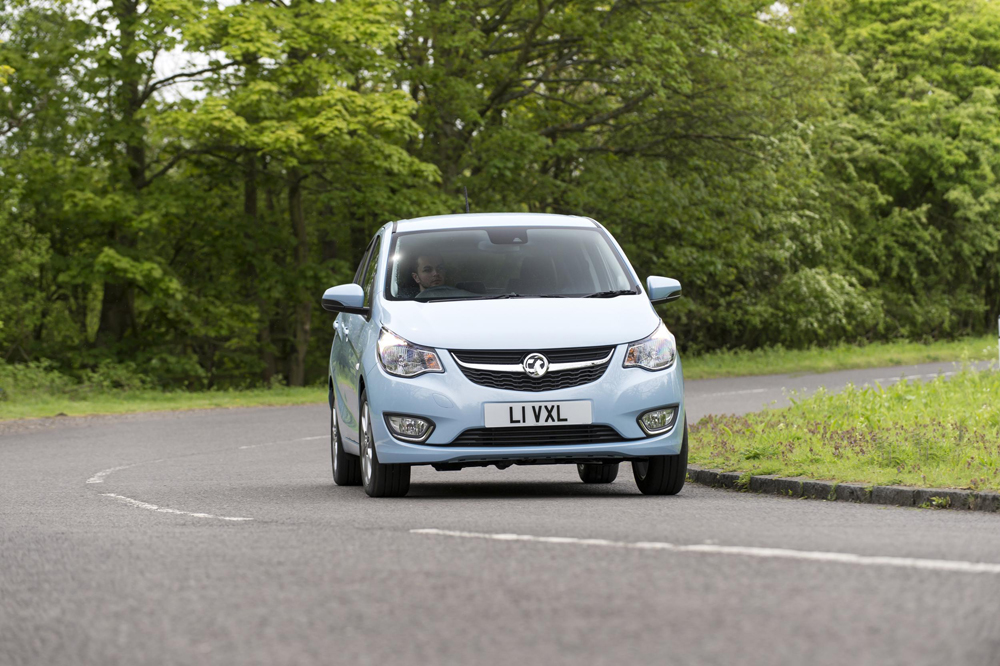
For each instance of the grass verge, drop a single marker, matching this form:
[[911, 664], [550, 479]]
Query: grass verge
[[37, 390], [122, 402], [939, 434], [776, 360]]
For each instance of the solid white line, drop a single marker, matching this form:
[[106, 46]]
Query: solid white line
[[955, 566], [162, 509]]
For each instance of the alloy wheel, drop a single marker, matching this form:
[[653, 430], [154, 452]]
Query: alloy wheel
[[333, 436], [366, 446]]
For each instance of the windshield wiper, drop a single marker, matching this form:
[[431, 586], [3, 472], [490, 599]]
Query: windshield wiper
[[466, 298], [496, 296], [611, 294]]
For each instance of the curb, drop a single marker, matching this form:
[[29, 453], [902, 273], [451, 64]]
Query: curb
[[800, 486]]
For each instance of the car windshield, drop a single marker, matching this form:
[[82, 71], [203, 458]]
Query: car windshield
[[505, 262]]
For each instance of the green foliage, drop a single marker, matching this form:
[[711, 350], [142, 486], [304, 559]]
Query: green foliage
[[941, 433], [822, 175]]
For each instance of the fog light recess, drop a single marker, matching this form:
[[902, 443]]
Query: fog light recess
[[409, 428], [658, 421]]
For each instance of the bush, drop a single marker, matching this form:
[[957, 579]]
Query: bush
[[110, 376], [36, 377]]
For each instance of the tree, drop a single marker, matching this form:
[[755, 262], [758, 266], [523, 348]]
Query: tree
[[912, 163], [317, 107]]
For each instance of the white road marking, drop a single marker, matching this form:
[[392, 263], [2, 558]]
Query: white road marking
[[715, 395], [289, 441], [955, 566], [931, 375], [104, 473], [880, 380], [162, 509]]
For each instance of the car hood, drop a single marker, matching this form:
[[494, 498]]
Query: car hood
[[522, 323]]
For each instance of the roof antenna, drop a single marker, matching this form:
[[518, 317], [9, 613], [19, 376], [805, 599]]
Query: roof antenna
[[466, 190]]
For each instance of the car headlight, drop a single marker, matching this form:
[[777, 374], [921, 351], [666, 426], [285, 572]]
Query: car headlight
[[405, 359], [657, 352]]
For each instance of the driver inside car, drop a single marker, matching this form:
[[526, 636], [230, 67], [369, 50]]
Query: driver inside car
[[429, 271]]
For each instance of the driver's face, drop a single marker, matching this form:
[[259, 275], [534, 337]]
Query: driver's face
[[430, 272]]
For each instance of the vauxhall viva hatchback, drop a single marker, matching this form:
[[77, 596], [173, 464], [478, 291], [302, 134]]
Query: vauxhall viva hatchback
[[503, 339]]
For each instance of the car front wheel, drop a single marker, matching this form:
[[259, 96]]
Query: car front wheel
[[662, 475], [346, 468], [379, 480]]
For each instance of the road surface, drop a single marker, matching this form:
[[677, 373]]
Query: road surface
[[218, 537]]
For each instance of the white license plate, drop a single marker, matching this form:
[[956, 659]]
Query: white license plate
[[519, 414]]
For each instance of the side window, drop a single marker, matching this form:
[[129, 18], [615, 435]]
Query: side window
[[369, 284], [360, 273]]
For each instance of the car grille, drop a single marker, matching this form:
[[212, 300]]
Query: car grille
[[518, 381], [538, 436], [516, 357]]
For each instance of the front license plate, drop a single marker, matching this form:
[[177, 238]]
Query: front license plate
[[516, 414]]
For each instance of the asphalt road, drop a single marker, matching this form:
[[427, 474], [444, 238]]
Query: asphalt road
[[120, 543]]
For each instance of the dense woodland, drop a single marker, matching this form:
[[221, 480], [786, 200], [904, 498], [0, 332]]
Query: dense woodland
[[181, 179]]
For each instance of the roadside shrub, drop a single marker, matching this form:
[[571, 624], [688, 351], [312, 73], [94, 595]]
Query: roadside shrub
[[42, 378], [35, 377], [110, 376]]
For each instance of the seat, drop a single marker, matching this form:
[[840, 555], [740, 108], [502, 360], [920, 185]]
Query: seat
[[408, 290], [538, 276]]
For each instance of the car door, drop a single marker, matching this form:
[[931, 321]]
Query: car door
[[353, 332], [344, 359]]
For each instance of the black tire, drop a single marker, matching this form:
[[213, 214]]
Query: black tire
[[379, 480], [346, 468], [663, 475], [598, 472]]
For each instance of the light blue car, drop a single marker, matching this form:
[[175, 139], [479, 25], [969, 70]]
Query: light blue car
[[503, 339]]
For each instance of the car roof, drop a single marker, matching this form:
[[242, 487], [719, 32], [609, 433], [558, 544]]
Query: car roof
[[479, 220]]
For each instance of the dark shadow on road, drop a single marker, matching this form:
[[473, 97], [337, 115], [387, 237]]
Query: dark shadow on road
[[313, 493], [516, 490]]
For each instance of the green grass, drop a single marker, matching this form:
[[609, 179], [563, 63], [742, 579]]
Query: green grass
[[776, 360], [123, 402], [36, 390], [943, 433]]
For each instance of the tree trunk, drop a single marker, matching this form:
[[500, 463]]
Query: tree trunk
[[117, 304], [303, 303], [252, 222]]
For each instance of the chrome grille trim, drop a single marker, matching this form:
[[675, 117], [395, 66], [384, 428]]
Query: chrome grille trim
[[519, 368]]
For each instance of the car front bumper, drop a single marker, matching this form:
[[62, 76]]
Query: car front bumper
[[455, 404]]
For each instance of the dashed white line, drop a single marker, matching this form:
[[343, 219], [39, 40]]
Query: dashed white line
[[716, 395], [162, 509], [289, 441], [954, 566], [930, 375]]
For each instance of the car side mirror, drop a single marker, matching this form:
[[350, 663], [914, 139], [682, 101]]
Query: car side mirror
[[662, 289], [349, 298]]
